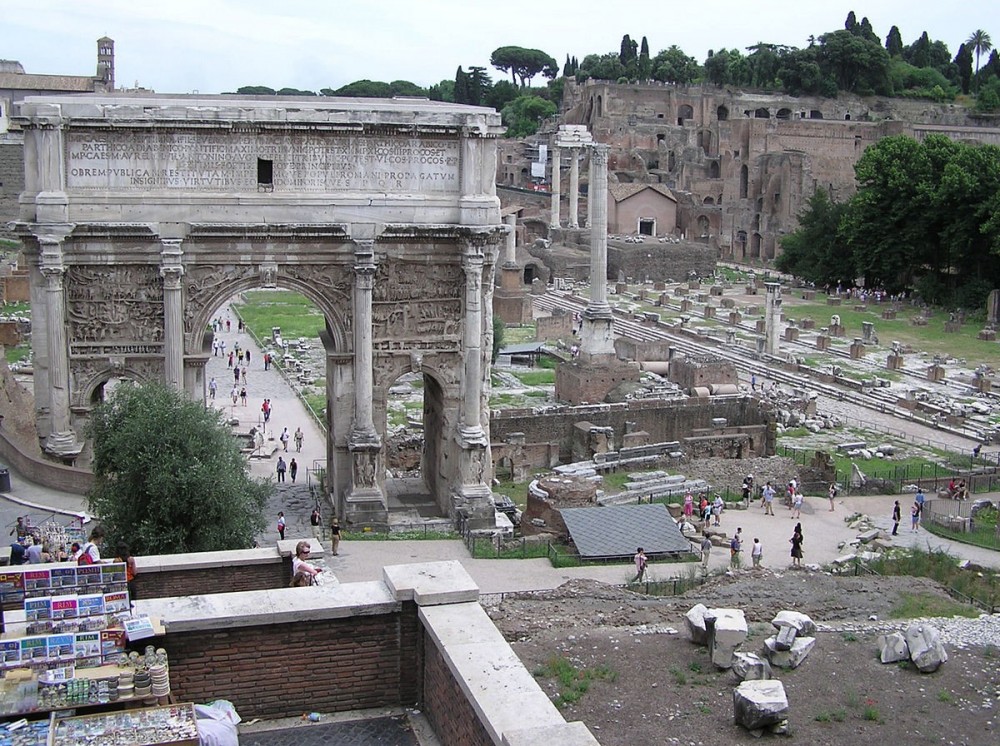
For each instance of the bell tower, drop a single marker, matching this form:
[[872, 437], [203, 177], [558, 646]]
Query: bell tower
[[106, 63]]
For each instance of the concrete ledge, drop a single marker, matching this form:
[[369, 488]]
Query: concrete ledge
[[568, 734], [270, 607], [431, 583], [206, 560], [286, 547], [499, 688]]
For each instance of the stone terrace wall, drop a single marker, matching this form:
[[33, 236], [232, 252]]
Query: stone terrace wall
[[11, 178], [154, 582], [663, 420], [448, 710]]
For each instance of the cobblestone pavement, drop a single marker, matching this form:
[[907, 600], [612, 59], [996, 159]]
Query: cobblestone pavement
[[385, 731]]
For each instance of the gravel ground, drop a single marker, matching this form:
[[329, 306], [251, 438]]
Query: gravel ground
[[665, 690]]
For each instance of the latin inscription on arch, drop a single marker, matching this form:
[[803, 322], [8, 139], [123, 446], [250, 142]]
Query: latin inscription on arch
[[226, 162]]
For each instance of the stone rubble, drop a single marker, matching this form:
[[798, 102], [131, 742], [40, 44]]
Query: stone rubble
[[760, 704], [750, 667], [926, 650], [728, 633]]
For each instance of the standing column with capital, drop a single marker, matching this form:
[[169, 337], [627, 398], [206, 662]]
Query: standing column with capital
[[574, 188], [596, 337], [364, 442], [172, 269], [61, 441], [472, 349], [556, 186]]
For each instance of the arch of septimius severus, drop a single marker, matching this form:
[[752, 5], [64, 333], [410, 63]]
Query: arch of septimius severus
[[142, 216]]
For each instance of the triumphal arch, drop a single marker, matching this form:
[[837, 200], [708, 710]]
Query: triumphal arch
[[143, 215]]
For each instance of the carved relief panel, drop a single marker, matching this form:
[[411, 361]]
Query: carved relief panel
[[114, 310], [417, 306]]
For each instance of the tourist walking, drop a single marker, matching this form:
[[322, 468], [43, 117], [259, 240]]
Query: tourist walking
[[768, 499], [298, 440], [280, 468], [293, 469], [706, 550], [717, 508], [212, 388], [797, 505], [920, 499], [831, 493], [796, 542], [232, 357], [735, 547], [640, 565], [914, 517], [897, 515], [236, 375], [265, 409], [281, 523], [316, 520], [243, 396], [234, 395], [688, 505], [246, 354], [756, 552], [335, 536], [284, 438]]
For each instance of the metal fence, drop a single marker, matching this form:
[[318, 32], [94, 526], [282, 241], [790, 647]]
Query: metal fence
[[963, 520]]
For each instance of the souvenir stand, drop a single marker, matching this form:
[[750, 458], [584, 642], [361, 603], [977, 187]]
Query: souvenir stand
[[67, 651]]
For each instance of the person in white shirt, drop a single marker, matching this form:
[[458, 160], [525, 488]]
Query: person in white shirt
[[757, 552], [302, 572]]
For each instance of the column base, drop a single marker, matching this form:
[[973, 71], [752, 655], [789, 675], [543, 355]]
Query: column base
[[596, 337], [472, 436], [63, 445], [366, 507], [474, 503]]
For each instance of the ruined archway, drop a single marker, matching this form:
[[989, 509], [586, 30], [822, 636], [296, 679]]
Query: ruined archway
[[142, 216]]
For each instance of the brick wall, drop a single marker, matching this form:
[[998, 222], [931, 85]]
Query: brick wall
[[332, 665], [207, 580], [11, 180], [449, 712]]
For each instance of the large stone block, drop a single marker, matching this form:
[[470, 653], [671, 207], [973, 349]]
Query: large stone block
[[801, 622], [926, 649], [788, 658], [758, 704], [750, 667], [728, 634], [892, 648], [694, 620], [785, 638]]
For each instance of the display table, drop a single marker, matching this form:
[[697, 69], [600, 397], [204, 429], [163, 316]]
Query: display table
[[173, 725]]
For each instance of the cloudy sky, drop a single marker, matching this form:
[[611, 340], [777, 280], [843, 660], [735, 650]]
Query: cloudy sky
[[212, 46]]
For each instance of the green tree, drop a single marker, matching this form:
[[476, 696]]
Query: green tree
[[628, 53], [294, 92], [443, 91], [673, 66], [856, 64], [815, 251], [601, 67], [894, 42], [524, 64], [501, 94], [499, 330], [644, 67], [479, 85], [717, 67], [169, 477], [524, 115], [255, 90], [364, 89], [963, 61], [980, 43], [461, 86], [988, 98]]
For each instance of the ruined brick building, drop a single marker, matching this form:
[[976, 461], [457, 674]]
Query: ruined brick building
[[740, 165]]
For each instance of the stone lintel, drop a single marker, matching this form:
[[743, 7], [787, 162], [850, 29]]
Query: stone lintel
[[431, 583]]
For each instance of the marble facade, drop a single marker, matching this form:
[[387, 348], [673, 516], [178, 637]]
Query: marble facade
[[143, 215]]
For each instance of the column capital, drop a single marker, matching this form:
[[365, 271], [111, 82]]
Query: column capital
[[171, 267], [599, 152]]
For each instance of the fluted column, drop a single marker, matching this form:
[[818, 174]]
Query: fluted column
[[574, 188], [61, 441], [472, 348], [363, 428], [172, 269], [598, 195], [596, 338], [510, 245], [556, 168]]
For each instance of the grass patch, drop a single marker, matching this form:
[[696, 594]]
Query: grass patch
[[944, 696], [914, 605], [293, 312], [849, 637], [487, 548], [17, 354], [316, 402], [680, 678], [545, 377], [615, 481], [942, 567], [573, 682], [831, 716]]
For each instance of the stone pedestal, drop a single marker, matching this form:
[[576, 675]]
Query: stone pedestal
[[760, 325], [686, 305], [935, 373], [701, 297], [716, 290], [680, 290], [894, 362], [735, 318], [837, 330], [982, 384], [728, 303], [952, 327], [709, 312], [868, 332], [750, 290], [663, 300], [791, 334], [822, 343], [888, 314], [988, 335], [857, 349], [831, 301], [590, 381], [807, 324], [694, 285], [659, 287], [512, 308], [621, 288], [808, 295]]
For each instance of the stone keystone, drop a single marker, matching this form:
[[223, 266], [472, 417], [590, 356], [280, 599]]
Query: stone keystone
[[695, 622], [759, 704], [893, 648], [926, 650], [788, 658], [750, 667], [803, 624], [728, 634]]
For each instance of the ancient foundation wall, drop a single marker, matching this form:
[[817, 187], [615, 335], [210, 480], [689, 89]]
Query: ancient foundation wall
[[11, 178]]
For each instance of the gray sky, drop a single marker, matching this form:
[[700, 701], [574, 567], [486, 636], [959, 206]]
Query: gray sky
[[211, 46]]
